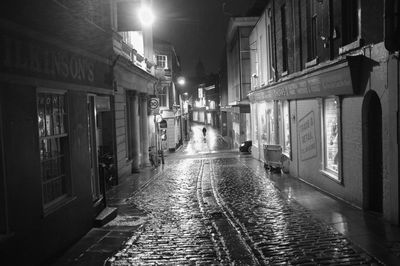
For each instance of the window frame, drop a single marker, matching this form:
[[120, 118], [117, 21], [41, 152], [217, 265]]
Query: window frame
[[161, 94], [355, 43], [270, 66], [67, 196], [312, 34], [165, 61], [336, 176], [282, 141], [285, 50]]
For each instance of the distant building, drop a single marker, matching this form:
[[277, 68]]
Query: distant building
[[168, 91], [238, 52]]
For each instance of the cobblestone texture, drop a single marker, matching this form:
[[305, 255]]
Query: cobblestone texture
[[176, 232], [185, 224], [279, 230]]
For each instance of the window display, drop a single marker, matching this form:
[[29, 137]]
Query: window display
[[331, 135], [52, 146], [286, 128]]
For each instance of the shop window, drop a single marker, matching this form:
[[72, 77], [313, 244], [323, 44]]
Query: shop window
[[267, 122], [162, 61], [284, 125], [331, 136], [53, 142]]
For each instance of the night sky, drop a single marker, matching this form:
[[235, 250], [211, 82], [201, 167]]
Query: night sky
[[196, 28]]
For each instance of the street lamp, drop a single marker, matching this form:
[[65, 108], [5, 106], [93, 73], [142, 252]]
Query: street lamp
[[181, 81], [146, 16]]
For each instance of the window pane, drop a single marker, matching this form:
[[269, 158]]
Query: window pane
[[41, 115], [51, 123], [331, 135], [48, 115], [286, 128]]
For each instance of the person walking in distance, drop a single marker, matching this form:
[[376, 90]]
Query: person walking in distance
[[204, 132]]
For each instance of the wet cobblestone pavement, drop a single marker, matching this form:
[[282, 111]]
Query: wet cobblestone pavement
[[175, 231], [279, 230], [219, 212]]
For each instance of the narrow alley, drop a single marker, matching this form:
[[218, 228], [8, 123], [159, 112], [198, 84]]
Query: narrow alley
[[209, 205]]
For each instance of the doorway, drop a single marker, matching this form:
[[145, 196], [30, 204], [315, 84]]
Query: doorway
[[372, 153], [92, 136]]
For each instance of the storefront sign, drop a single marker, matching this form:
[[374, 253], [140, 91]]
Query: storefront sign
[[39, 59], [308, 143], [333, 82]]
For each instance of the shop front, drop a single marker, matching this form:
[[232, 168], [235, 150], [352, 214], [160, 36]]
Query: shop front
[[316, 119], [50, 167]]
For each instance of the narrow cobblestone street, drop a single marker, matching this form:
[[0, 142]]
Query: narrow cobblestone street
[[215, 210], [209, 205]]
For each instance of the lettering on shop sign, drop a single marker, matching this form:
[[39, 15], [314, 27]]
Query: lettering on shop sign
[[43, 60], [336, 82], [308, 143]]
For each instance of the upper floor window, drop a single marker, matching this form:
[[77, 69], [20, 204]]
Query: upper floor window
[[284, 39], [270, 65], [162, 61], [53, 147], [163, 96], [312, 21], [351, 25]]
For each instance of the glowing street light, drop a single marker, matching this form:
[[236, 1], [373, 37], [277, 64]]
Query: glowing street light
[[181, 81], [146, 16]]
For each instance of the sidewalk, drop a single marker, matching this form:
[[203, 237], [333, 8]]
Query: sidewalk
[[368, 231], [100, 243]]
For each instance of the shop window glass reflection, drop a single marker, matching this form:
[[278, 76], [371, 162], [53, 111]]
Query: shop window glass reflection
[[331, 135], [52, 145]]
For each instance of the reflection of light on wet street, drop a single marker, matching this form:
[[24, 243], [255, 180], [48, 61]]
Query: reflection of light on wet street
[[199, 144]]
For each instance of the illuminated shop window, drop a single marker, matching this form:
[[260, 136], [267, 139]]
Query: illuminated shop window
[[286, 145], [331, 136], [53, 143]]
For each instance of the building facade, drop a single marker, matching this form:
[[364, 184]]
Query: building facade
[[134, 80], [238, 79], [50, 77], [75, 79], [168, 92], [322, 88]]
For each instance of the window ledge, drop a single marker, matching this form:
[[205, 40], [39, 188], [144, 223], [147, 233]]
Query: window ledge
[[56, 206], [351, 46], [312, 63], [332, 176]]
